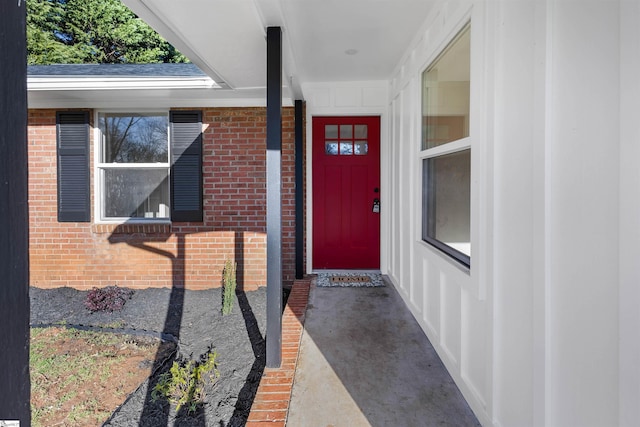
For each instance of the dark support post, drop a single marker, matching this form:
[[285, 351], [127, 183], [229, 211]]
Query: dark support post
[[274, 198], [299, 153], [14, 242]]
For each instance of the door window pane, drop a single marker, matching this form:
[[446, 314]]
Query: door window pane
[[331, 131], [331, 148], [346, 131], [346, 140], [360, 131], [361, 148], [346, 148]]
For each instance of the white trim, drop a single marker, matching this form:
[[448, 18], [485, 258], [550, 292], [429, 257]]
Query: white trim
[[309, 171], [448, 148], [119, 83], [368, 98], [99, 167], [139, 99]]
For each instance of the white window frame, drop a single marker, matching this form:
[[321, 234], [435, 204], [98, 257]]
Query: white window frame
[[100, 167], [452, 147]]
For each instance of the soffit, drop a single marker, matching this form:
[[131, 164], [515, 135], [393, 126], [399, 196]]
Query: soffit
[[323, 40]]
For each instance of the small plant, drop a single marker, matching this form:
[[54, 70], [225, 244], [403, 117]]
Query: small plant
[[183, 384], [111, 298], [229, 284]]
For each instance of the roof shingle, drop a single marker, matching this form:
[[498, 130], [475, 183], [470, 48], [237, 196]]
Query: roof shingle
[[115, 70]]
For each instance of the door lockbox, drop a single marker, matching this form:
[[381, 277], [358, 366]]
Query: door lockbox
[[376, 205]]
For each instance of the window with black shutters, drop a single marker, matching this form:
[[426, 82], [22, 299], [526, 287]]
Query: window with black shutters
[[150, 166]]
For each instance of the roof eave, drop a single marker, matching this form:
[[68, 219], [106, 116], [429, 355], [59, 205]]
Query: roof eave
[[115, 83]]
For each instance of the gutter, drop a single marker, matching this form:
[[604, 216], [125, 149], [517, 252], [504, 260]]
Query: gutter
[[51, 83]]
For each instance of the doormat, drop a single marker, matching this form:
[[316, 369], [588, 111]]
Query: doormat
[[349, 280], [343, 279]]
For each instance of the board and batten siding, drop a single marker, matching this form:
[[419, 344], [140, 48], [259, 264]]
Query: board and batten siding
[[542, 329], [448, 300]]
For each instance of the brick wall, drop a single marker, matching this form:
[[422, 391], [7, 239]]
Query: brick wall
[[190, 255]]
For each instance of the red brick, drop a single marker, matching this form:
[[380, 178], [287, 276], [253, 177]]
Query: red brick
[[278, 423], [80, 254], [267, 416]]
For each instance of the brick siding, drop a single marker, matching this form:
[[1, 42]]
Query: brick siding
[[190, 255]]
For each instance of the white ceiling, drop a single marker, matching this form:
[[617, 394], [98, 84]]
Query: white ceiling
[[226, 38]]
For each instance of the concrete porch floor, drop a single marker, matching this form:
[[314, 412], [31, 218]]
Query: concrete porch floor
[[364, 361]]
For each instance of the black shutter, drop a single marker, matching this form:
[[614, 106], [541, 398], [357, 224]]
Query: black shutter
[[73, 166], [186, 166]]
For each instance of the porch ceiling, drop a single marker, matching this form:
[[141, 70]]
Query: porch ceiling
[[323, 40]]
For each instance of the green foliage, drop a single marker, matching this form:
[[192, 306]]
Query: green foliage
[[183, 384], [229, 283], [92, 31]]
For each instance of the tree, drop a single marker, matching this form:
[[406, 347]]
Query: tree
[[92, 31]]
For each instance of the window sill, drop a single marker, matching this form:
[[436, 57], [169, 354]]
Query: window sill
[[466, 269], [132, 228]]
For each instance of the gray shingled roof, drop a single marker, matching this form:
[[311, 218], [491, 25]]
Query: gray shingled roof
[[115, 70]]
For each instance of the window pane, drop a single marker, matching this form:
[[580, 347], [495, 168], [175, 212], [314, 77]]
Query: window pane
[[331, 131], [360, 131], [361, 148], [136, 193], [346, 132], [346, 148], [331, 147], [134, 138], [446, 202], [445, 94]]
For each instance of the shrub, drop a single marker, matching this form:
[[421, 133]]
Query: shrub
[[183, 384], [111, 298], [229, 283]]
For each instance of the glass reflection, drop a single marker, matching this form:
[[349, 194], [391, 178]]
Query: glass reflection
[[346, 148], [446, 94], [136, 193], [361, 148], [131, 138], [331, 148]]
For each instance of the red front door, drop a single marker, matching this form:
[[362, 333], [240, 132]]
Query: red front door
[[346, 187]]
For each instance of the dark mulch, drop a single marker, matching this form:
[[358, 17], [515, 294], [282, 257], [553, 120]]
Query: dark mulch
[[194, 319]]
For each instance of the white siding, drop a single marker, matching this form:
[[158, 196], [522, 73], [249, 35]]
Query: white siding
[[447, 300], [629, 315], [544, 327]]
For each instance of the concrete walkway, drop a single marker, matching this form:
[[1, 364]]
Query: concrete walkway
[[364, 361]]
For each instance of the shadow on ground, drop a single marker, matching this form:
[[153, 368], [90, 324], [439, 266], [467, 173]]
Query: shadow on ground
[[365, 361]]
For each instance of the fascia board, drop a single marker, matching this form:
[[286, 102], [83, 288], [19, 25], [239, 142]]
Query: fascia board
[[115, 83], [137, 98]]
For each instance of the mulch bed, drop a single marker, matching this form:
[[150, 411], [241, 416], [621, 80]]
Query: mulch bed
[[194, 320]]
